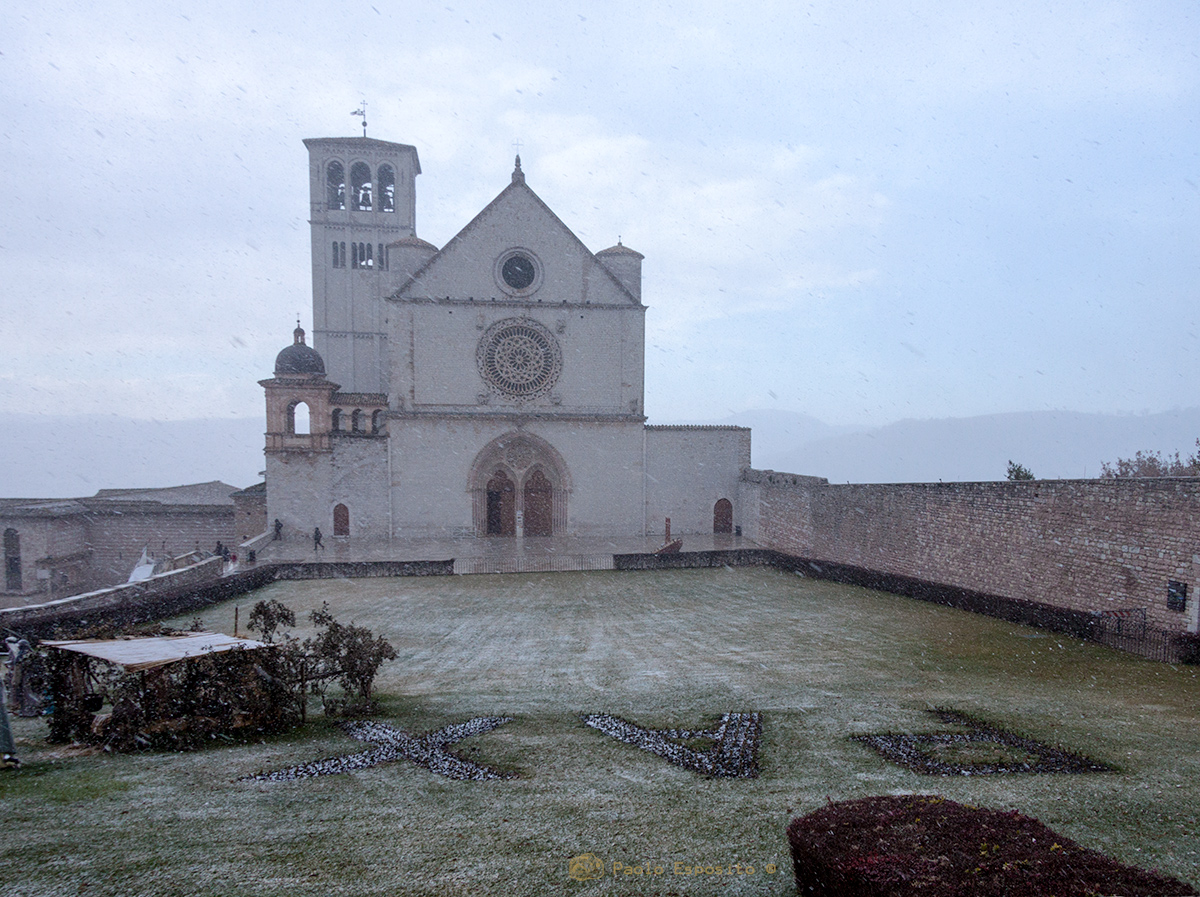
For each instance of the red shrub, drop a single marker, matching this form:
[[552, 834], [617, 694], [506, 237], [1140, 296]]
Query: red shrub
[[925, 845]]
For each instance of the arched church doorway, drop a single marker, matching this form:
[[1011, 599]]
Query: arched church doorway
[[723, 516], [519, 486], [341, 520], [12, 560], [539, 496], [501, 505]]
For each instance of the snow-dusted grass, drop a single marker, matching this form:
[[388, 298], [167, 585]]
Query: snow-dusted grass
[[672, 650]]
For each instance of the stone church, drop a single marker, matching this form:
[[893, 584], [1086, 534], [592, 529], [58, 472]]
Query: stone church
[[491, 388]]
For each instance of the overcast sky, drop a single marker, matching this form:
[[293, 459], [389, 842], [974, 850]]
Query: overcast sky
[[861, 211]]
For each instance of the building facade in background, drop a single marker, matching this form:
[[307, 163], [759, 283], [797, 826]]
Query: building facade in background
[[55, 547], [490, 388]]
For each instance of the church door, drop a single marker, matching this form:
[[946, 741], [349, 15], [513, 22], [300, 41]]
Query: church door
[[341, 520], [539, 505], [723, 516], [501, 505]]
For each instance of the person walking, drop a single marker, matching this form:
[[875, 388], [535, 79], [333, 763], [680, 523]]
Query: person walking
[[317, 538]]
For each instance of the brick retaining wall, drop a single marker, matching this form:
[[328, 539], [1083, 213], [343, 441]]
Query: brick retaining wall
[[1084, 546]]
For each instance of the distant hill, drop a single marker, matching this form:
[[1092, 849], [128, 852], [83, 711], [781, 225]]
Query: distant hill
[[1053, 444], [57, 457], [75, 456]]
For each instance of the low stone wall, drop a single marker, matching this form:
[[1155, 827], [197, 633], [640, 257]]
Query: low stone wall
[[255, 544], [1054, 553], [735, 557], [363, 569], [116, 601]]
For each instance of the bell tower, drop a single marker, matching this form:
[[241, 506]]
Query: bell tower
[[362, 197]]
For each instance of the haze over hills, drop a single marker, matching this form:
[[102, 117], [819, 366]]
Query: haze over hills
[[75, 455], [55, 457], [1053, 444]]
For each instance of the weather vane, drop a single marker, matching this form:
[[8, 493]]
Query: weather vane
[[362, 112]]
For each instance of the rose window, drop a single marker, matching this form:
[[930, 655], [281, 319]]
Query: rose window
[[520, 359]]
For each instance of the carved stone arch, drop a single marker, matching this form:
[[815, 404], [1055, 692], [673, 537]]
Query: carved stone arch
[[540, 482]]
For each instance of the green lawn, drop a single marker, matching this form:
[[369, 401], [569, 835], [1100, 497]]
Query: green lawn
[[672, 649]]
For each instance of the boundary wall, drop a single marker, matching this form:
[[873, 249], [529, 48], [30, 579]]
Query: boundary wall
[[1115, 561], [1116, 548], [188, 589]]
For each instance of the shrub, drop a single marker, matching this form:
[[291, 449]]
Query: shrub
[[925, 845]]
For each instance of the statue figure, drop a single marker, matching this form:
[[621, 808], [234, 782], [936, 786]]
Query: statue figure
[[8, 750], [21, 658]]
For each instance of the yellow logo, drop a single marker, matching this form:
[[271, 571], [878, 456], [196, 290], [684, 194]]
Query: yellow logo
[[585, 867]]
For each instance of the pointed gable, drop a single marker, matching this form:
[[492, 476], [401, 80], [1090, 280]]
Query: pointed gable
[[517, 222]]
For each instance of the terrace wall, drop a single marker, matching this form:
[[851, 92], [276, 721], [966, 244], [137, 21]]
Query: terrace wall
[[1084, 546]]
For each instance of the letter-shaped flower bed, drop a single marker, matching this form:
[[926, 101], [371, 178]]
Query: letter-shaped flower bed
[[728, 751], [927, 846], [429, 750], [981, 750]]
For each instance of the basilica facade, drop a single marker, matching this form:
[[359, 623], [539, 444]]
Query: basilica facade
[[490, 388]]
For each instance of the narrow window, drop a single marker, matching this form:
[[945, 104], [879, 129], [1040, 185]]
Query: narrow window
[[342, 256], [341, 520], [370, 257], [353, 255], [337, 420], [382, 258], [360, 186], [376, 422], [387, 189], [356, 421], [12, 560], [335, 186]]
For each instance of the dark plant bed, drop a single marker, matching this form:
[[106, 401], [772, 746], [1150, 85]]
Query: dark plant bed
[[925, 845], [983, 749]]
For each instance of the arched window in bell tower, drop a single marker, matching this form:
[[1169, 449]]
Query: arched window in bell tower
[[387, 188], [297, 419], [360, 186], [335, 185]]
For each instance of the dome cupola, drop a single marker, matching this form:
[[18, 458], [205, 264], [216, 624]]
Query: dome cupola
[[299, 359]]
